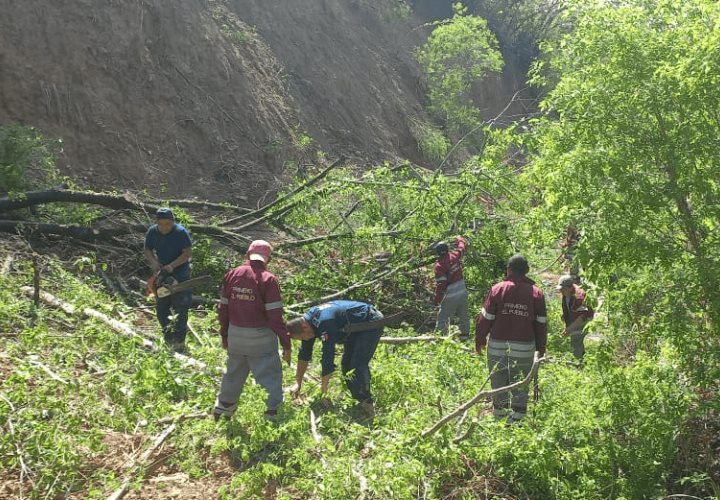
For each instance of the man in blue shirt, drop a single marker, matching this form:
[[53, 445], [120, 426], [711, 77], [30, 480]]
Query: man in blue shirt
[[168, 249], [339, 322]]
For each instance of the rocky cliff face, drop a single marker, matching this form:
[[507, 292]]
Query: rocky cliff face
[[211, 97]]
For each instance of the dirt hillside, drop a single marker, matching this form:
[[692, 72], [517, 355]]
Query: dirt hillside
[[148, 94]]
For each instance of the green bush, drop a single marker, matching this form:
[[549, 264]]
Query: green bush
[[433, 144], [459, 52], [27, 159]]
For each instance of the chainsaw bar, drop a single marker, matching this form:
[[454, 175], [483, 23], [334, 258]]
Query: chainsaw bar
[[167, 290]]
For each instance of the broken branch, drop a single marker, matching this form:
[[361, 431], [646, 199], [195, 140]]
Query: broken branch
[[482, 394], [287, 196], [159, 439], [116, 325], [51, 373], [313, 427], [412, 340]]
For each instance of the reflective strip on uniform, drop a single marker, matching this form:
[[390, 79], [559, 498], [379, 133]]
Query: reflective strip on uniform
[[487, 315], [441, 278], [496, 352], [273, 305], [223, 300], [541, 319], [511, 349]]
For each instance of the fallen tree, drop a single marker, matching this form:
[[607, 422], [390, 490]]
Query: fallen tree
[[98, 234], [33, 198], [117, 326], [126, 201]]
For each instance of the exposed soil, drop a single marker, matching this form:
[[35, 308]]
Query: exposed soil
[[211, 97]]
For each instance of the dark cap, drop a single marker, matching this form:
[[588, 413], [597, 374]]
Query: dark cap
[[565, 281], [518, 264], [442, 248], [164, 213]]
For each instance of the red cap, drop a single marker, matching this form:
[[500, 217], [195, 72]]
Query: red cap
[[259, 250]]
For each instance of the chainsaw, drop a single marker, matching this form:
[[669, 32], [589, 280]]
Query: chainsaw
[[164, 284]]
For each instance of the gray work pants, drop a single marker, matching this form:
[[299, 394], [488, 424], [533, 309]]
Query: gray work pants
[[509, 362], [250, 350], [577, 342], [454, 304]]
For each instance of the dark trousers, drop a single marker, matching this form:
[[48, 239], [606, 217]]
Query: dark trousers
[[174, 331], [359, 350]]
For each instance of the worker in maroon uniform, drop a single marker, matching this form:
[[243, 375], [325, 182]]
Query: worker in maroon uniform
[[251, 323], [451, 294], [515, 316], [576, 313]]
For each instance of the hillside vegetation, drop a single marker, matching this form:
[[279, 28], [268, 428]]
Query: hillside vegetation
[[624, 154]]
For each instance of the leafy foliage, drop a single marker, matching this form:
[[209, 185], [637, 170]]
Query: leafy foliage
[[460, 51], [595, 431], [521, 26], [27, 159], [433, 144], [629, 156]]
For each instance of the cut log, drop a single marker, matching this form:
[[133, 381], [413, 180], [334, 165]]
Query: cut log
[[118, 326], [33, 198]]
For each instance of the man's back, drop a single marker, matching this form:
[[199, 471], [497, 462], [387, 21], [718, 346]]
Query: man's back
[[514, 310], [249, 292]]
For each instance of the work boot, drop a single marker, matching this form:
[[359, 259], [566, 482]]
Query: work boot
[[217, 416], [222, 409], [270, 415], [367, 409], [500, 413], [363, 412], [180, 348], [515, 417]]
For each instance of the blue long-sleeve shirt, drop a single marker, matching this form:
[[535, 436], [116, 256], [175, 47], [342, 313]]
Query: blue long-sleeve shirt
[[328, 322]]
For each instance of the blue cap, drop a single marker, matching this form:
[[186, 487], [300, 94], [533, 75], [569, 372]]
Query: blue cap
[[164, 213]]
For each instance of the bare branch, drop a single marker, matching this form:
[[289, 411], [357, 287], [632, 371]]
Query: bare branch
[[482, 394], [287, 196], [116, 325], [159, 439]]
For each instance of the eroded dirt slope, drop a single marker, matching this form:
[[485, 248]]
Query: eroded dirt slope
[[210, 97]]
